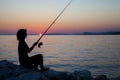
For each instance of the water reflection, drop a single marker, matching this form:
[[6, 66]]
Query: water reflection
[[99, 54]]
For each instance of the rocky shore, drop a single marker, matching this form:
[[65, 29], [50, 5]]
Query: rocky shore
[[10, 71]]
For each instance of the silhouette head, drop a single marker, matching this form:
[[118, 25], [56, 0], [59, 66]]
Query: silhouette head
[[21, 34]]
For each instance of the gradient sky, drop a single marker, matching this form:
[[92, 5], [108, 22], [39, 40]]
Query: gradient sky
[[80, 16]]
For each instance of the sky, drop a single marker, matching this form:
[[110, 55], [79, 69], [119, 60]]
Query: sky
[[80, 16]]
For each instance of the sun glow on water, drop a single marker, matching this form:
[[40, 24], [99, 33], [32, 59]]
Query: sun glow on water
[[40, 34]]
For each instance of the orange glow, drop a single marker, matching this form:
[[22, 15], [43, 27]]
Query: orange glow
[[36, 16]]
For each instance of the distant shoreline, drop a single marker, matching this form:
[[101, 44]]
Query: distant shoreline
[[76, 33], [63, 34]]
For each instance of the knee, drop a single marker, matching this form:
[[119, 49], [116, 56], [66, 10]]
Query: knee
[[40, 56]]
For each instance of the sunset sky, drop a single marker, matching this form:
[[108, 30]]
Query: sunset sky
[[80, 16]]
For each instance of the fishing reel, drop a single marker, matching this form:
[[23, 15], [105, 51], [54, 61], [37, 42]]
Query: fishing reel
[[40, 44]]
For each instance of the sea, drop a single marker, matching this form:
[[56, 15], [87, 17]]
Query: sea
[[100, 54]]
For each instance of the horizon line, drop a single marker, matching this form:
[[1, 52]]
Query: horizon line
[[75, 33]]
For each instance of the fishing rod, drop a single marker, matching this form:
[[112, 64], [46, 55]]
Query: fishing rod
[[53, 22]]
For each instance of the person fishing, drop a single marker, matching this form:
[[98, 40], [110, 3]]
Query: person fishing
[[23, 48], [23, 51]]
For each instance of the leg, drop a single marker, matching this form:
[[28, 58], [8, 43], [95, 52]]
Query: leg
[[37, 60]]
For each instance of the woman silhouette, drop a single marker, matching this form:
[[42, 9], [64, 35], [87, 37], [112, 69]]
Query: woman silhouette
[[23, 51]]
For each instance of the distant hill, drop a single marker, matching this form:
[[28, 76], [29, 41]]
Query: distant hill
[[86, 33], [98, 33]]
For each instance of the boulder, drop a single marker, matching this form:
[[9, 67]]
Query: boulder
[[83, 75], [10, 71], [29, 76], [101, 77]]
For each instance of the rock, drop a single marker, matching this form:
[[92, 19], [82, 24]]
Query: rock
[[10, 71], [83, 75], [54, 74], [6, 69], [76, 75], [30, 76], [71, 76], [101, 77], [117, 78]]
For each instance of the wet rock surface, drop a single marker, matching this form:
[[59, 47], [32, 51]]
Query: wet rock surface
[[10, 71]]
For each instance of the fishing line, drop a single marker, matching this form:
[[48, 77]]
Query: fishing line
[[53, 22]]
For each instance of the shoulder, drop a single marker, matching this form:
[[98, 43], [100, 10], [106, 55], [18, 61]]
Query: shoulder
[[22, 43]]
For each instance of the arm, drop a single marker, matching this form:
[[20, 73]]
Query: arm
[[30, 49]]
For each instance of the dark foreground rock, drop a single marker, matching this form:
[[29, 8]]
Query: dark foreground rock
[[10, 71]]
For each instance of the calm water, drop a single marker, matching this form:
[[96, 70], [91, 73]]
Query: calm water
[[100, 54]]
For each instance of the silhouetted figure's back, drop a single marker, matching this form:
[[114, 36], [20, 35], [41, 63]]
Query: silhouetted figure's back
[[23, 51]]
